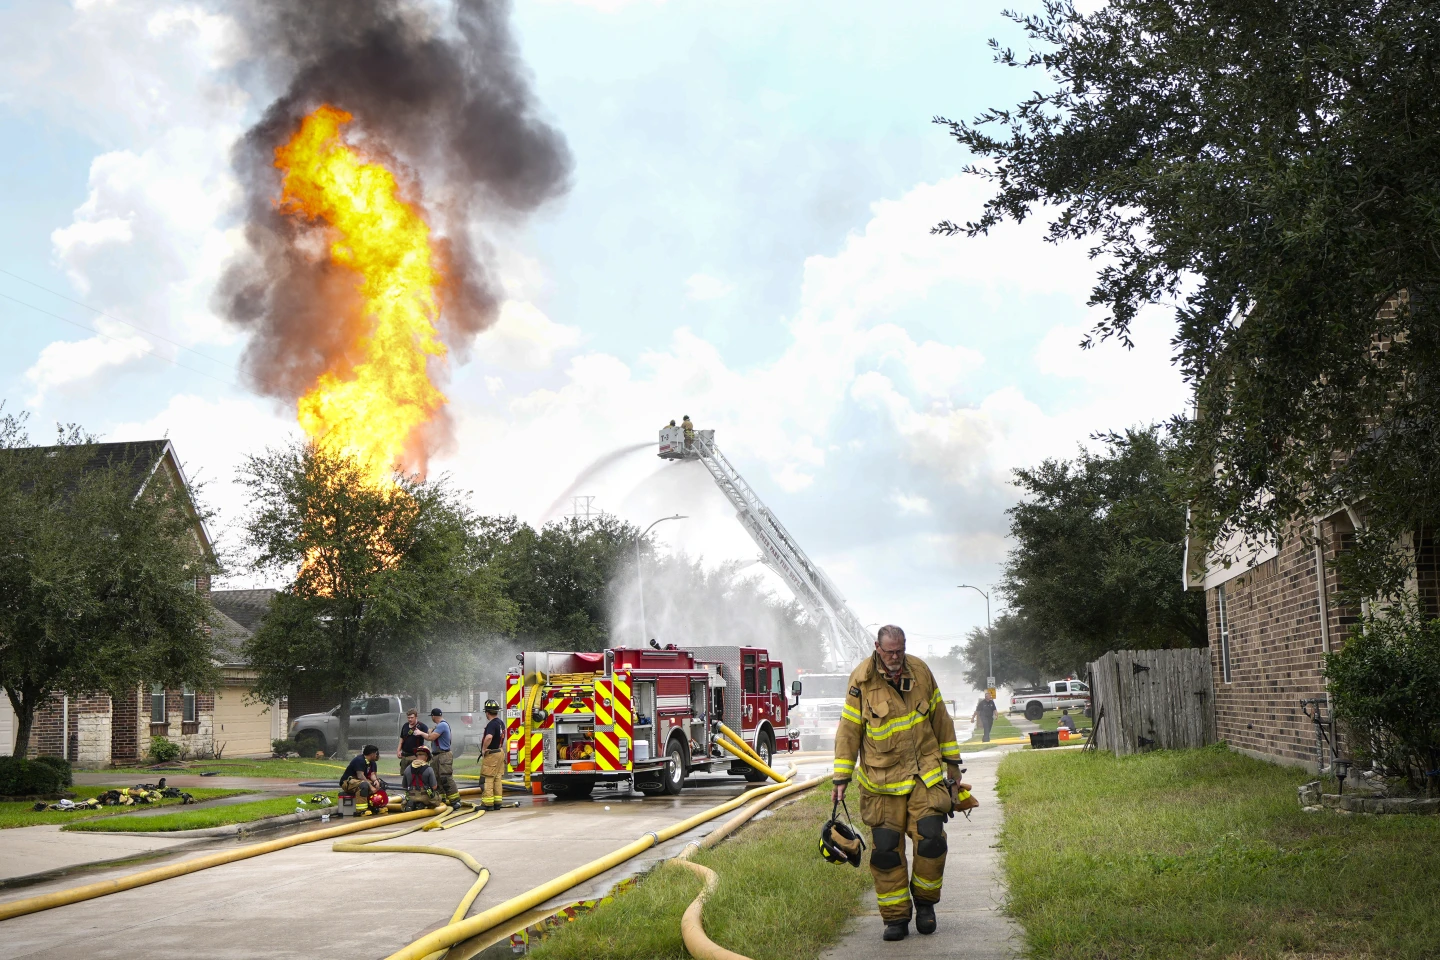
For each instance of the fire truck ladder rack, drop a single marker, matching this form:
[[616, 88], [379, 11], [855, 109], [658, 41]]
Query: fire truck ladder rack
[[848, 640]]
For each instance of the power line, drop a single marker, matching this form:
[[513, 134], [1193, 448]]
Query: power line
[[107, 316], [149, 352]]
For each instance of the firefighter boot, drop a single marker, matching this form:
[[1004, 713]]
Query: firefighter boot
[[924, 917], [898, 930]]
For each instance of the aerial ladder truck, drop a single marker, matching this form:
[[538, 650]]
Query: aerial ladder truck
[[847, 641]]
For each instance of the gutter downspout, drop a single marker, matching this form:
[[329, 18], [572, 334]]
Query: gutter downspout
[[65, 726], [1323, 600]]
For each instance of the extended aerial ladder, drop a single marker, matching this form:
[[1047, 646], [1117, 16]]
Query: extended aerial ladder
[[847, 640]]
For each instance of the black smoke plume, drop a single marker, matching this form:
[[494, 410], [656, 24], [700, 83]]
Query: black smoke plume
[[440, 91]]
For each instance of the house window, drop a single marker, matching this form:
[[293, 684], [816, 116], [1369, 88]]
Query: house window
[[157, 703], [189, 715], [1224, 633]]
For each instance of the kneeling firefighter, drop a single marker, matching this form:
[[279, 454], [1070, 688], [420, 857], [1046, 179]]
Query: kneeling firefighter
[[419, 781], [897, 739]]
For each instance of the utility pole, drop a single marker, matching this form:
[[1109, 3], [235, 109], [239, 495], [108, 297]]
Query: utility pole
[[989, 639], [640, 574]]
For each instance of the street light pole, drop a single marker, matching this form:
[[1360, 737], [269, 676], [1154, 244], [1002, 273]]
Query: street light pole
[[640, 573], [989, 640]]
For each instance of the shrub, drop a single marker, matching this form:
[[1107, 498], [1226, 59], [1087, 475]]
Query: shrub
[[67, 775], [23, 778], [1385, 686], [164, 750], [282, 748]]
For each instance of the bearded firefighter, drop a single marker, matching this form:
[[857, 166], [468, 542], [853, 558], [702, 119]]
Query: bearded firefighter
[[897, 739]]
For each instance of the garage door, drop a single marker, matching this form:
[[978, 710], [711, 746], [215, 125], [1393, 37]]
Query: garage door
[[241, 729]]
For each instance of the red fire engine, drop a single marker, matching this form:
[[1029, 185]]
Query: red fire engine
[[650, 716]]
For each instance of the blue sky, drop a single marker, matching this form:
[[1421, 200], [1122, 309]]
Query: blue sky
[[745, 240]]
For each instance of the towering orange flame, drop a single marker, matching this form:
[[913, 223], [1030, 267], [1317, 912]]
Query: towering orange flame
[[374, 410]]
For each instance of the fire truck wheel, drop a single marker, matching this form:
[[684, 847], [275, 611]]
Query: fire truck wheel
[[765, 746], [675, 768], [1034, 710]]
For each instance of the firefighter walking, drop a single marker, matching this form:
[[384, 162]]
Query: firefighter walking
[[492, 758], [897, 740]]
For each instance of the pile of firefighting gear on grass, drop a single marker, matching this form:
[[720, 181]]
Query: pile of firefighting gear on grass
[[140, 795]]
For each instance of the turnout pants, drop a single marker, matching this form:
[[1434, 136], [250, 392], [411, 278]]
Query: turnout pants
[[405, 760], [444, 765], [920, 815], [359, 789], [492, 768]]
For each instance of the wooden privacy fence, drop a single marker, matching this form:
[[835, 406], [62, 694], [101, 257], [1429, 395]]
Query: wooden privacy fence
[[1152, 700]]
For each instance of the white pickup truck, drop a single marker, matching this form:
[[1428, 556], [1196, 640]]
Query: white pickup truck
[[1057, 694]]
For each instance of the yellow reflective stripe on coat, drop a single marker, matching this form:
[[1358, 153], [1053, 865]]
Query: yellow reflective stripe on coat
[[848, 712], [950, 751], [933, 777], [892, 899], [844, 768], [898, 725], [935, 697], [929, 886], [895, 789]]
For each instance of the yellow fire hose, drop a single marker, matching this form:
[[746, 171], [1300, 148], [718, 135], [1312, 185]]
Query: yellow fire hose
[[692, 927], [454, 933], [446, 819], [739, 741], [60, 898], [740, 753]]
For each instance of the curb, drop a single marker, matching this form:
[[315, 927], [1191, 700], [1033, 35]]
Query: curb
[[231, 830]]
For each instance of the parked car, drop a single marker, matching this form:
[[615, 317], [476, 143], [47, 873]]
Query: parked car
[[1057, 694], [377, 720]]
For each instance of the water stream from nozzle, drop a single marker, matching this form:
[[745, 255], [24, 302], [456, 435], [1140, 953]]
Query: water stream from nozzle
[[596, 467]]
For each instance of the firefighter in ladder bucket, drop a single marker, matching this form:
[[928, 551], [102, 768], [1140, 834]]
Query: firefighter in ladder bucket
[[898, 741]]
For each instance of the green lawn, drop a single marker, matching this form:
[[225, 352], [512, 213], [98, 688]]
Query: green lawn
[[20, 813], [1206, 854], [1002, 728], [777, 900], [293, 769], [195, 818], [1051, 720]]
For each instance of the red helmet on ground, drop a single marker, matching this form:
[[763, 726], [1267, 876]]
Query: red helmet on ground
[[379, 799]]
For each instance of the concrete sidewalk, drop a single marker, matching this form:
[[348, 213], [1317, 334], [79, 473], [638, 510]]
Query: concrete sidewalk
[[30, 850], [969, 921]]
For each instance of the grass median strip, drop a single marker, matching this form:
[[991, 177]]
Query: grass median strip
[[22, 813], [776, 899], [1206, 854], [194, 818]]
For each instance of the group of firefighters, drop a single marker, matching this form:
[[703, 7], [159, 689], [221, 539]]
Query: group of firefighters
[[895, 739], [427, 767]]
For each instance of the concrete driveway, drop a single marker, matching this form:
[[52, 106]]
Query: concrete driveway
[[310, 902]]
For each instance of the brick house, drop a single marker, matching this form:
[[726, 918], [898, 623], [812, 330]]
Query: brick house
[[99, 730], [1272, 616]]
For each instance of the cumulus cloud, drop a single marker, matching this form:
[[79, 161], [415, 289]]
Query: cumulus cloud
[[524, 338]]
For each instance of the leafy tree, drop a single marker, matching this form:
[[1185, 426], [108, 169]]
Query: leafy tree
[[558, 577], [98, 574], [1099, 544], [1019, 652], [1270, 170], [390, 581]]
